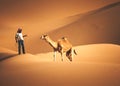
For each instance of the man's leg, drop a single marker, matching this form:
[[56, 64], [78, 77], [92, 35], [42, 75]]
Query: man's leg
[[23, 48], [19, 47]]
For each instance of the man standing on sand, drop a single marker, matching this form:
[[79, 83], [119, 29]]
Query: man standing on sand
[[19, 38]]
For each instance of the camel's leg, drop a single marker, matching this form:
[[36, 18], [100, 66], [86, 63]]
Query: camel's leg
[[72, 53], [71, 57], [54, 56], [61, 56]]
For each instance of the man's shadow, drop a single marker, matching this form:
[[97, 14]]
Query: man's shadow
[[5, 56]]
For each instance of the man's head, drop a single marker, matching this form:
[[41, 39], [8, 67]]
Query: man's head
[[19, 30]]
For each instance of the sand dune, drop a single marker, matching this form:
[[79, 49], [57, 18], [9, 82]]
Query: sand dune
[[57, 74], [94, 26], [98, 26], [95, 53], [91, 33], [100, 53], [95, 65]]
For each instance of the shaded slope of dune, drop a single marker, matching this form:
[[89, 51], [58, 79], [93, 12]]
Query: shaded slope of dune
[[99, 26], [6, 54], [9, 55]]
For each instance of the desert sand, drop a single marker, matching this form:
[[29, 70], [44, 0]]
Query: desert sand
[[92, 28], [90, 67]]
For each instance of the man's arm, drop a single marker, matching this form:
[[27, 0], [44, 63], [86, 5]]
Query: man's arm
[[24, 35]]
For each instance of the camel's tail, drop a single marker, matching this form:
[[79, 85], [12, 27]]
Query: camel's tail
[[75, 52]]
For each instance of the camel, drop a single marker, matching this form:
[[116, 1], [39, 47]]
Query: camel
[[62, 46]]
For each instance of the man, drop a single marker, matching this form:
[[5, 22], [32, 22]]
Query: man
[[19, 37]]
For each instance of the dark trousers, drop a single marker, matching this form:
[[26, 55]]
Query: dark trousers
[[21, 45]]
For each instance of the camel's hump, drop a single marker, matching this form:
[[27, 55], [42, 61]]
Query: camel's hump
[[64, 42]]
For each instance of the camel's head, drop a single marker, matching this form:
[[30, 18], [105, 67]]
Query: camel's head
[[44, 37]]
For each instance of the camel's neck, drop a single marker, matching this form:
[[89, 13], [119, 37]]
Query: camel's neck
[[51, 42]]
